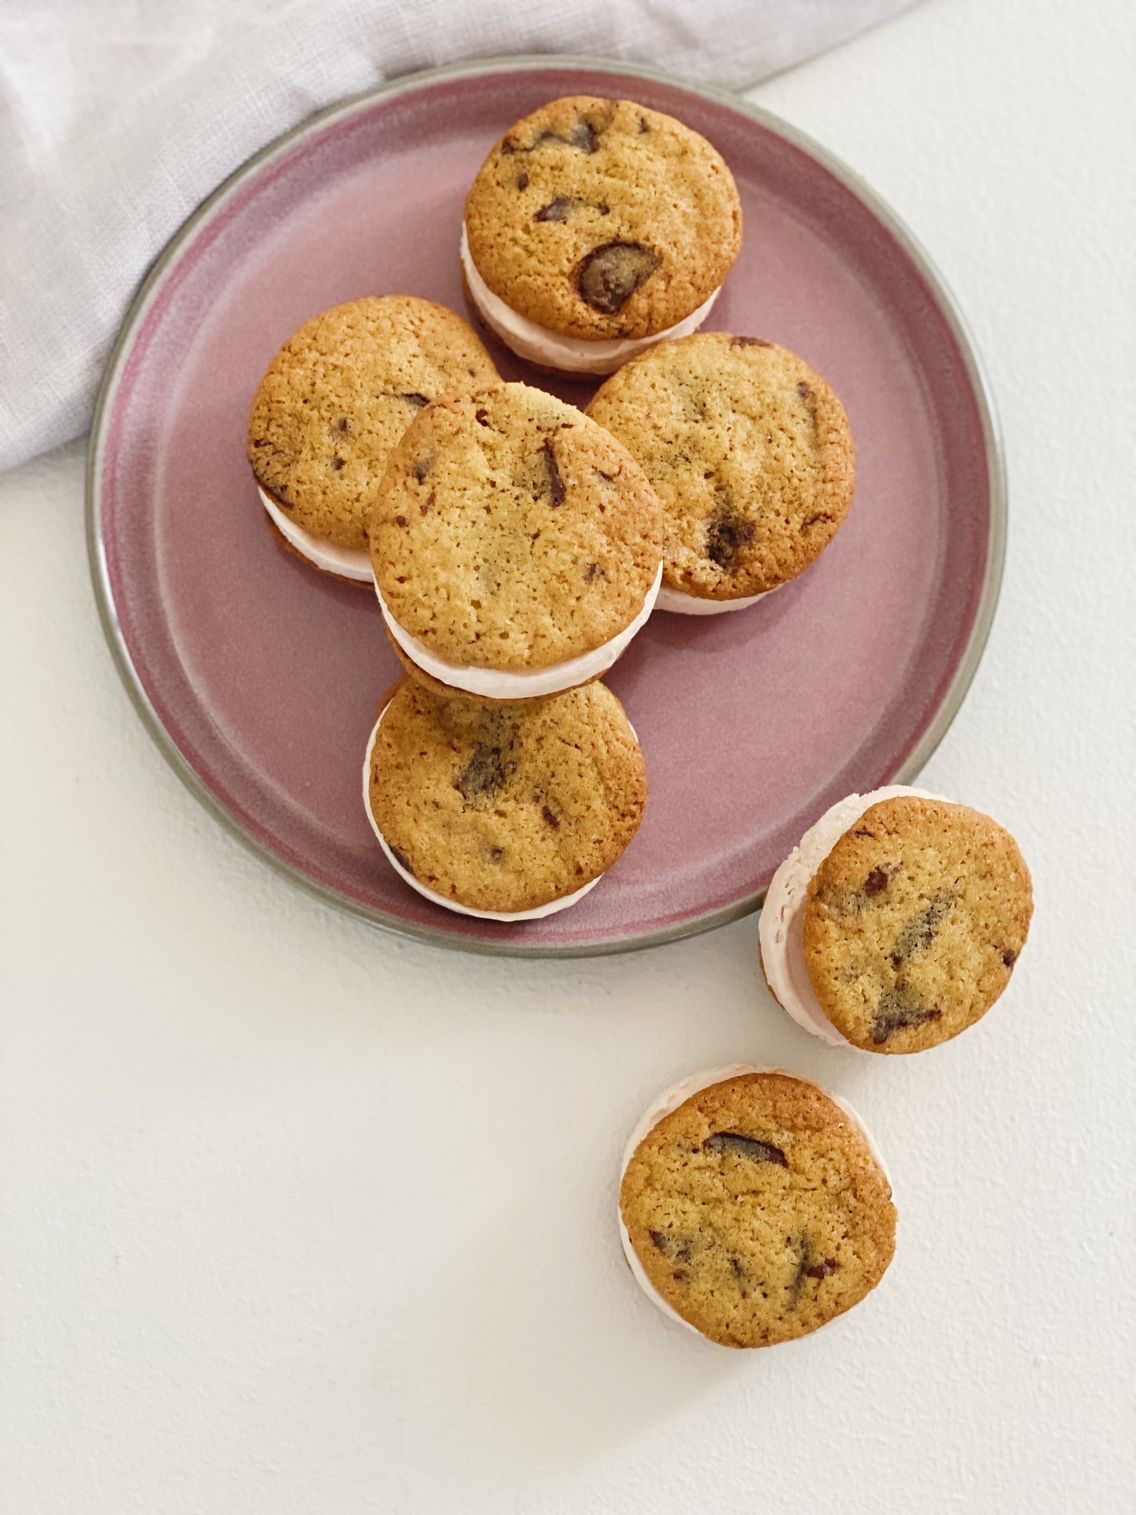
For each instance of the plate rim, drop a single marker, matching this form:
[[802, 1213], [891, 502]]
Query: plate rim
[[953, 697]]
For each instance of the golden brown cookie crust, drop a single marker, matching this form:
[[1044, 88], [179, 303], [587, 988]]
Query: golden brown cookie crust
[[511, 532], [600, 218], [758, 1210], [913, 923], [749, 451], [339, 394], [506, 807]]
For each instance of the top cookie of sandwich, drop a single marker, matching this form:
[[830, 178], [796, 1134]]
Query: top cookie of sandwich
[[758, 1210], [599, 218], [913, 923], [341, 392], [747, 448], [510, 532]]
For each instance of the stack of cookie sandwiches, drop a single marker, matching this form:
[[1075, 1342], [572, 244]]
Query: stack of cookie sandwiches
[[515, 546], [516, 549]]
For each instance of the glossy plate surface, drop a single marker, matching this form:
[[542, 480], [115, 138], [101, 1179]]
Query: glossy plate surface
[[260, 679]]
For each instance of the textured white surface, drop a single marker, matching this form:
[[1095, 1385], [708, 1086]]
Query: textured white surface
[[298, 1218]]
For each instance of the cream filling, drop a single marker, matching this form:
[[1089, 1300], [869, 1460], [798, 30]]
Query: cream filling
[[537, 913], [781, 927], [670, 1100], [347, 562], [680, 603], [549, 348], [502, 684]]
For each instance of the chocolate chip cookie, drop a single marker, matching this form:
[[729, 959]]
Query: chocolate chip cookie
[[504, 809], [749, 451], [600, 218], [755, 1208], [337, 397], [913, 922], [516, 545]]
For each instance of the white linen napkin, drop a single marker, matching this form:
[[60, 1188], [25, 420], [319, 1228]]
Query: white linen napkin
[[117, 117]]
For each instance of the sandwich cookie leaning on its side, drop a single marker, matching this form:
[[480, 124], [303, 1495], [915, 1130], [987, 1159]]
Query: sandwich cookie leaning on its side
[[753, 1206], [896, 923], [595, 228], [334, 401], [507, 812], [517, 547], [750, 453]]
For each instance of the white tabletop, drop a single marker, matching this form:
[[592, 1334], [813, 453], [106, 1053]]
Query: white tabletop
[[299, 1217]]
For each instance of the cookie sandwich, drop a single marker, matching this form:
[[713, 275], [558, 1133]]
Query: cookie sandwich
[[594, 228], [753, 1206], [750, 453], [897, 922], [334, 401], [516, 546], [507, 812]]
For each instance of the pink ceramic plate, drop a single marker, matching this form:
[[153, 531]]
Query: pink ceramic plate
[[260, 679]]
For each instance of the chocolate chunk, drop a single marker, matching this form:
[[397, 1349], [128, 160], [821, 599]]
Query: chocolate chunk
[[416, 400], [798, 1278], [876, 882], [496, 854], [550, 817], [726, 535], [555, 210], [509, 146], [402, 860], [610, 274], [422, 466], [338, 463], [342, 423], [643, 127], [673, 1248], [807, 1268], [736, 1267], [749, 342], [584, 136], [804, 390], [919, 932], [897, 1010], [485, 773], [481, 416], [822, 1269], [522, 181], [745, 1146], [1009, 957], [608, 478], [556, 490], [401, 521]]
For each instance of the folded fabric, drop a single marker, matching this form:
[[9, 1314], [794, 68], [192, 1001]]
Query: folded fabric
[[116, 119]]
